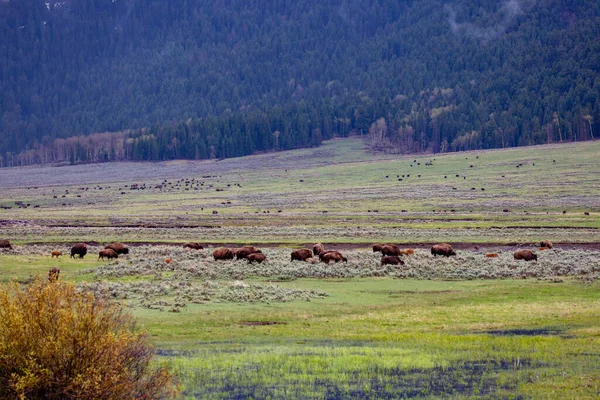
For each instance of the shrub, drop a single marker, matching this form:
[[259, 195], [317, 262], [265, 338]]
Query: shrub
[[59, 343]]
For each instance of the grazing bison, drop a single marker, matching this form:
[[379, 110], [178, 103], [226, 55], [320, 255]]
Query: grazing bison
[[108, 253], [79, 249], [546, 243], [377, 247], [53, 274], [119, 248], [332, 255], [391, 260], [318, 249], [526, 255], [55, 254], [244, 252], [5, 244], [301, 254], [193, 245], [258, 257], [222, 253], [492, 255], [390, 250], [443, 249], [407, 252]]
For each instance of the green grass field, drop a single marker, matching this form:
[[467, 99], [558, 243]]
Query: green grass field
[[464, 327]]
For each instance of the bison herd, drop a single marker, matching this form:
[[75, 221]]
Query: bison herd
[[390, 253]]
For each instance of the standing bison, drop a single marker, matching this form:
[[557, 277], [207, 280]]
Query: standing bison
[[119, 248], [258, 257], [443, 249], [193, 245], [526, 255], [301, 254], [108, 253], [546, 243], [222, 253], [5, 244], [318, 249], [335, 256], [245, 251], [390, 250], [377, 247], [79, 249], [391, 260]]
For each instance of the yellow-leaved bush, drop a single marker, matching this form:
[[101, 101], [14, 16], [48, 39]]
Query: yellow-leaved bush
[[59, 343]]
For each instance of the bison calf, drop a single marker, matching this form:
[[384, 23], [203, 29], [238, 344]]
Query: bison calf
[[492, 255], [526, 255], [55, 254]]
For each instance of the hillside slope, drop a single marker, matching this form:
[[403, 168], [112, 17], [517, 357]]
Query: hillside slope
[[416, 76]]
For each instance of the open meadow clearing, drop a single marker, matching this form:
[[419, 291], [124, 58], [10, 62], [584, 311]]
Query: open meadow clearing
[[467, 326]]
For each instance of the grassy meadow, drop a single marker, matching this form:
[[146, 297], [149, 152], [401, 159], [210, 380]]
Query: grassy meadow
[[467, 326]]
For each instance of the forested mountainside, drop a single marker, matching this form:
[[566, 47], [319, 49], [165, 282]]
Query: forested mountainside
[[220, 78]]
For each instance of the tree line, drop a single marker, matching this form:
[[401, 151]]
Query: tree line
[[203, 79]]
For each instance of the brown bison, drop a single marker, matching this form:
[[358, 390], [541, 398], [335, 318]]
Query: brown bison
[[193, 245], [526, 255], [336, 256], [301, 254], [391, 260], [258, 257], [407, 252], [443, 249], [119, 248], [56, 254], [492, 255], [53, 274], [390, 250], [377, 247], [222, 253], [546, 243], [5, 244], [79, 249], [244, 252], [108, 253], [318, 249], [543, 248]]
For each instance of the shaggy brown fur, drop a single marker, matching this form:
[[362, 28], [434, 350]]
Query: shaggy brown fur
[[5, 244], [301, 254], [546, 243], [79, 249], [193, 245], [119, 248], [442, 249], [332, 255], [108, 253], [526, 255], [258, 257], [318, 249], [391, 260], [377, 247], [390, 250], [55, 254], [222, 253]]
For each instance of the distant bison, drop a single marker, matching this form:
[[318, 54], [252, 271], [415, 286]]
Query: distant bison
[[443, 249], [119, 248], [526, 255], [258, 257], [407, 252], [244, 252], [492, 255], [301, 254], [328, 256], [5, 244], [193, 245], [546, 243], [53, 274], [79, 249], [222, 253], [391, 260], [55, 254], [318, 249], [390, 250], [108, 253], [377, 247]]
